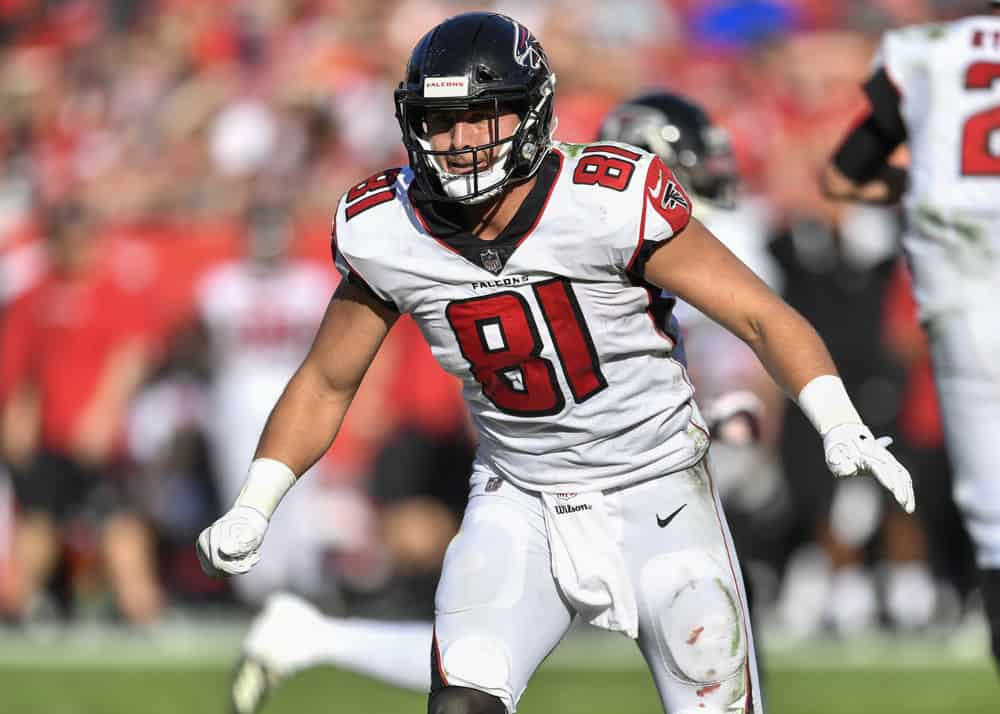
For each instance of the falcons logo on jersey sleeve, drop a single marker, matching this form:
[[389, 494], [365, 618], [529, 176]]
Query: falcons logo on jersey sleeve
[[667, 197]]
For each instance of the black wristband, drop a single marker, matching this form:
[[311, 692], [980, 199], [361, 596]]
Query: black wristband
[[863, 152]]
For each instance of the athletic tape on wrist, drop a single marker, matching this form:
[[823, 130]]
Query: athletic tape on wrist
[[825, 402], [267, 483]]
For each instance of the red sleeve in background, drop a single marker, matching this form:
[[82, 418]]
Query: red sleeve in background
[[428, 396], [171, 258], [16, 339], [919, 412]]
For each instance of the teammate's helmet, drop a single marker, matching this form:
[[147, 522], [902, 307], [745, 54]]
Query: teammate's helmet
[[683, 136], [269, 233], [477, 61]]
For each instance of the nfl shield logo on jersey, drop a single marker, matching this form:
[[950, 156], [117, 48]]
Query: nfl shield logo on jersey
[[491, 260]]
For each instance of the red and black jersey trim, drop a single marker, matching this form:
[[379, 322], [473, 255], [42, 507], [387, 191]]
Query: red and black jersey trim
[[614, 150], [443, 220], [660, 309], [636, 269], [669, 191], [438, 678]]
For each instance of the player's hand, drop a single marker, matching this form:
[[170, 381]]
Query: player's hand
[[851, 450], [229, 546]]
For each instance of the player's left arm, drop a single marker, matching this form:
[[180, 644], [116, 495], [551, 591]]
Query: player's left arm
[[859, 170], [698, 268]]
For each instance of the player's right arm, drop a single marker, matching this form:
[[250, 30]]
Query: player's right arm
[[301, 426], [308, 415]]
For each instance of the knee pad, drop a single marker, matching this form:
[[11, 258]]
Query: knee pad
[[463, 700], [481, 663], [697, 616], [485, 564]]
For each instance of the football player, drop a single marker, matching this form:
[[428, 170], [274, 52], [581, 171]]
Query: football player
[[534, 270], [290, 634], [936, 87], [258, 313]]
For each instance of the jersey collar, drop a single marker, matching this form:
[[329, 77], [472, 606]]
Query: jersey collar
[[491, 255]]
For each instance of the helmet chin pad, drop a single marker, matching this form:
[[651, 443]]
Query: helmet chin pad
[[477, 185]]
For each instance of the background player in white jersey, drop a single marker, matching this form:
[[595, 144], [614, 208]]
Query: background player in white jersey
[[259, 313], [937, 88], [530, 267]]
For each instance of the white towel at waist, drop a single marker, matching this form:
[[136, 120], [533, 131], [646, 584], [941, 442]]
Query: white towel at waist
[[587, 563]]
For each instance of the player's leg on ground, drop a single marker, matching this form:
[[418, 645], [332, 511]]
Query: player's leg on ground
[[128, 556], [964, 349], [910, 591], [36, 554], [290, 635], [694, 627], [47, 489], [498, 610]]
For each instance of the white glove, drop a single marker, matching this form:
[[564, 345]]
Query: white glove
[[852, 450], [229, 546]]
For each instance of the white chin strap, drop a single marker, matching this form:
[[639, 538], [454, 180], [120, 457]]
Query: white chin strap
[[458, 185]]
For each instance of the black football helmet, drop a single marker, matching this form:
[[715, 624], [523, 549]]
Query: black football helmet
[[684, 137], [477, 61]]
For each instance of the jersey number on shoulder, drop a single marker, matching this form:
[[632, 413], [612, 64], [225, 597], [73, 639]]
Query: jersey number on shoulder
[[371, 192], [500, 339], [980, 155], [607, 166]]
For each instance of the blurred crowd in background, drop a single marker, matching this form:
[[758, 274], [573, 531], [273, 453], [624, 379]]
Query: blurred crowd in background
[[168, 172]]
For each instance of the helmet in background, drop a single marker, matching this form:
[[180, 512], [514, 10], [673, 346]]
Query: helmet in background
[[681, 133]]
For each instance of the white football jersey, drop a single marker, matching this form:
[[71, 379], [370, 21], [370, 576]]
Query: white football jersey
[[567, 375], [260, 324], [948, 77]]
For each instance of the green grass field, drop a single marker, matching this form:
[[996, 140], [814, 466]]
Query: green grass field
[[323, 691], [184, 670]]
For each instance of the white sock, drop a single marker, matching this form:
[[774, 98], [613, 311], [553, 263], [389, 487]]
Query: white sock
[[853, 603], [396, 653], [911, 594]]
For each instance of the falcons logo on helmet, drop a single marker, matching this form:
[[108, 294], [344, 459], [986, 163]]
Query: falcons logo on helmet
[[527, 53]]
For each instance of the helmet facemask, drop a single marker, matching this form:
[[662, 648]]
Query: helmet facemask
[[511, 158]]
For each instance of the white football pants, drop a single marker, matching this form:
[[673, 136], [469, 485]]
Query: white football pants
[[965, 349], [499, 610]]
